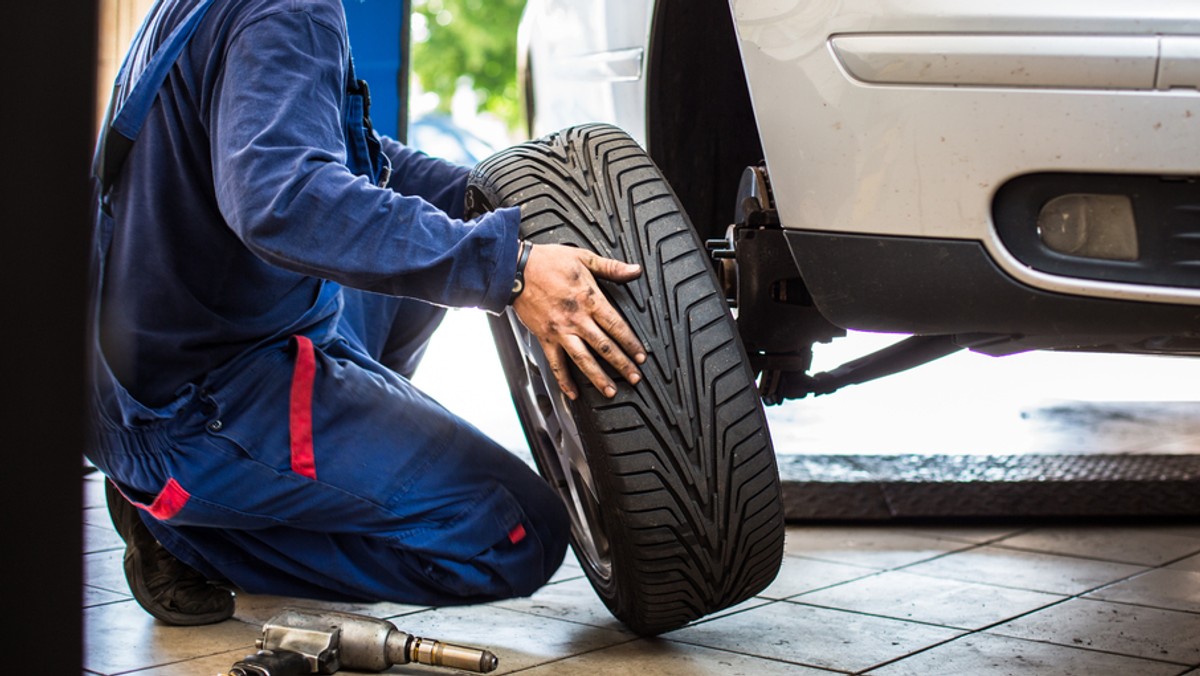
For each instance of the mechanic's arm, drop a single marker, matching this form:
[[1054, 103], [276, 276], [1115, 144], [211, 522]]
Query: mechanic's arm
[[561, 303], [440, 182], [282, 187], [563, 306], [278, 151]]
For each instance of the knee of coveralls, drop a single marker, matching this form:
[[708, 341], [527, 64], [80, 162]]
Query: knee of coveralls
[[517, 564], [483, 524], [461, 563], [401, 500], [475, 540]]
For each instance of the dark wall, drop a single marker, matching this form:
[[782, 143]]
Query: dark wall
[[49, 55]]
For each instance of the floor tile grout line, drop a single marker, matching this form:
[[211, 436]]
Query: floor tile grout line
[[635, 639], [1183, 664], [126, 593], [1065, 598], [760, 657], [985, 631], [808, 557], [195, 658], [1125, 579], [944, 555], [589, 625], [1177, 560], [927, 623], [875, 572], [1074, 597], [1020, 530], [1144, 569], [831, 585], [964, 631], [1077, 596], [108, 603], [978, 632], [1138, 605], [573, 656], [410, 613], [884, 569], [905, 656], [721, 614], [1096, 558], [1025, 589], [969, 546]]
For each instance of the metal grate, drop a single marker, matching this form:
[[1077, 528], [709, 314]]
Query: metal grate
[[875, 487]]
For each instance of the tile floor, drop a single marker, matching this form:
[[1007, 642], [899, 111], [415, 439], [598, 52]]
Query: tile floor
[[1032, 598]]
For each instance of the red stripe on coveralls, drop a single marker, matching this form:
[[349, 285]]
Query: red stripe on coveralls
[[169, 501], [300, 409], [517, 534]]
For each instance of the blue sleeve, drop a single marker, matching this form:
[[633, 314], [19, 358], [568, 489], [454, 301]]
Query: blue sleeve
[[440, 182], [282, 185]]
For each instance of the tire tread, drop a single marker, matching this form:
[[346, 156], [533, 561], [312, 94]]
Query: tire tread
[[686, 454]]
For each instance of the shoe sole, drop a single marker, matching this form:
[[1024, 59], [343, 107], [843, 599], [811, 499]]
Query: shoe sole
[[137, 585], [121, 510]]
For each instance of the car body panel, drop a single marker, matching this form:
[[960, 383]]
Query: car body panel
[[903, 118], [923, 152], [591, 55]]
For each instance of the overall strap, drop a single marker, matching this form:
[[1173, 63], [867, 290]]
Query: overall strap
[[134, 93], [370, 160], [135, 90]]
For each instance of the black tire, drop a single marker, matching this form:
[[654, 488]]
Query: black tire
[[672, 485]]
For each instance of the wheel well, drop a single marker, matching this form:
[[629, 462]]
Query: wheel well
[[700, 125]]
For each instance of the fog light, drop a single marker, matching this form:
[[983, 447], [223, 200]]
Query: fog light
[[1091, 226]]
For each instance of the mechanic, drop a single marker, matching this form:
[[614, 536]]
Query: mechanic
[[267, 271]]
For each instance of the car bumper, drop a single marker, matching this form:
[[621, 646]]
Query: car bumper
[[904, 119]]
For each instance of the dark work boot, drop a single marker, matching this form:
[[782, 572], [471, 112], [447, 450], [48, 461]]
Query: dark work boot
[[164, 586]]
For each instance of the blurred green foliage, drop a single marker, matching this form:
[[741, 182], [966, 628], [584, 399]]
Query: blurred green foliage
[[473, 39]]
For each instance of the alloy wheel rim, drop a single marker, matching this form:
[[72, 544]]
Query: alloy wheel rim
[[560, 452]]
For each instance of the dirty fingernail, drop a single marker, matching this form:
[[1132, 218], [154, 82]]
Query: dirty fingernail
[[634, 378], [610, 391], [640, 358]]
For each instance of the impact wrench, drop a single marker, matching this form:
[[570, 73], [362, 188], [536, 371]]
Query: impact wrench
[[300, 641]]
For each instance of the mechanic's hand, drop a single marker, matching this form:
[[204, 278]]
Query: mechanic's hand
[[564, 308]]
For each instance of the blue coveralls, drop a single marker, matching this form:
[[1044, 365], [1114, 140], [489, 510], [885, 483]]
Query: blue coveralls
[[260, 302]]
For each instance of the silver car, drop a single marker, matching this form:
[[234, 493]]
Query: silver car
[[1023, 170], [984, 175]]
